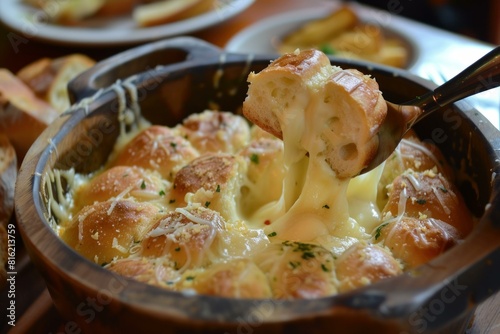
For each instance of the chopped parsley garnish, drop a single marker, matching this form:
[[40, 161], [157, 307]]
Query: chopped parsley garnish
[[254, 158], [378, 231], [178, 249], [421, 201], [207, 204], [272, 234], [443, 189], [325, 269], [171, 201], [218, 189], [189, 278], [328, 49], [161, 193], [326, 206], [174, 145], [308, 255], [143, 185], [294, 264]]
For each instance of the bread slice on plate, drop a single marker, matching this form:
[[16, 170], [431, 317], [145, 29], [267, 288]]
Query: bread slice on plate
[[167, 11], [49, 78], [23, 116]]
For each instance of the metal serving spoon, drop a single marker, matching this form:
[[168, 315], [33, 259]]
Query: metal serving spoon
[[482, 75]]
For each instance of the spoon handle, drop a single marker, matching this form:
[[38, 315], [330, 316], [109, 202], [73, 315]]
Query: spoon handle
[[482, 75]]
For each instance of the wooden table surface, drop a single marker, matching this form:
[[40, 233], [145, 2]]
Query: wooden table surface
[[14, 55]]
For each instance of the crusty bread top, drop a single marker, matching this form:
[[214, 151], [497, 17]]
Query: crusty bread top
[[342, 108], [296, 68]]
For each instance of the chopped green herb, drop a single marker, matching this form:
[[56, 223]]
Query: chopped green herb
[[171, 201], [162, 193], [328, 49], [189, 278], [218, 189], [325, 269], [421, 201], [443, 189], [378, 231], [272, 234], [207, 204], [308, 255], [143, 185], [178, 249], [174, 145], [294, 264], [254, 158], [326, 206]]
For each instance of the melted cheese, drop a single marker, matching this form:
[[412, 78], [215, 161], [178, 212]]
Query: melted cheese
[[308, 207]]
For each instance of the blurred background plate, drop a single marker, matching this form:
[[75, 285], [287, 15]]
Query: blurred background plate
[[24, 20], [265, 36], [435, 54]]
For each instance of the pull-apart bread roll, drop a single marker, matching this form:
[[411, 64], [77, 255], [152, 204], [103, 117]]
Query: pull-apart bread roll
[[23, 116], [106, 231], [216, 132], [121, 182], [341, 109], [157, 148]]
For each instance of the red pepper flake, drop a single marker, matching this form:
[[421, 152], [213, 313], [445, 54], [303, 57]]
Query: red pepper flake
[[267, 222]]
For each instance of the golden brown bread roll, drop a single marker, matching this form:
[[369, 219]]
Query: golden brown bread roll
[[150, 271], [121, 182], [239, 278], [157, 148], [363, 264], [428, 195], [105, 231], [414, 154], [298, 270], [351, 137], [215, 131], [49, 78], [187, 237], [23, 116], [213, 180], [314, 101], [416, 241]]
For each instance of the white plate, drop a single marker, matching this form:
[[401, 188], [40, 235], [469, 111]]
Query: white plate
[[25, 21], [264, 36]]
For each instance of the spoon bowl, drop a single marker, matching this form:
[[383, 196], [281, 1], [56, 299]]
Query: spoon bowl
[[481, 76]]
